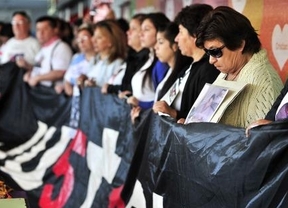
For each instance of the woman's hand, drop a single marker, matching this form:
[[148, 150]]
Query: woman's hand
[[135, 112], [80, 81], [123, 95], [90, 83], [260, 122], [133, 101], [104, 88], [163, 107], [181, 121]]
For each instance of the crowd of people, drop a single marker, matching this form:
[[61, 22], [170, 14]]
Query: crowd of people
[[152, 62]]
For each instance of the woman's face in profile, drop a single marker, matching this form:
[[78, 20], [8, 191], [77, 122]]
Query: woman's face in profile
[[84, 41], [222, 58], [185, 41], [163, 49], [101, 40], [133, 34], [148, 34]]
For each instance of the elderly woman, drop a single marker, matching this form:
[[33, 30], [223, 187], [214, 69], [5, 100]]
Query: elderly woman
[[235, 49]]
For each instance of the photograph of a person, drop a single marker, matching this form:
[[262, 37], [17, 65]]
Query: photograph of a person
[[282, 111], [207, 107]]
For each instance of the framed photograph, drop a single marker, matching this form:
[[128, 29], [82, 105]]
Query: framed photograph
[[206, 104]]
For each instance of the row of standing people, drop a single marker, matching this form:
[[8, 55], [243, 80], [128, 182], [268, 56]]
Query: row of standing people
[[201, 46], [205, 36]]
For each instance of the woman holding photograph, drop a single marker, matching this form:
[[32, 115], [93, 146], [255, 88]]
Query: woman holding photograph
[[240, 58], [167, 51], [190, 83]]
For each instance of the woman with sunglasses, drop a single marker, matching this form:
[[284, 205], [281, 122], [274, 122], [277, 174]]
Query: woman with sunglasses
[[181, 96], [235, 49]]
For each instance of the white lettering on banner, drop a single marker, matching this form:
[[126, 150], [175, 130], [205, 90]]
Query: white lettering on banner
[[239, 5], [103, 162], [157, 201], [280, 44], [137, 199], [169, 9], [187, 2], [33, 179]]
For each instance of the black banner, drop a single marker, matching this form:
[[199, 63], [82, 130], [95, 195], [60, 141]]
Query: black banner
[[107, 162]]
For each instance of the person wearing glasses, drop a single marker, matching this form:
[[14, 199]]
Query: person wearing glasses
[[22, 45], [188, 86], [235, 50]]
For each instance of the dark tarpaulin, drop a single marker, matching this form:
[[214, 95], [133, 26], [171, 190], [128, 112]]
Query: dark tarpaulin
[[13, 102], [210, 165], [21, 107], [197, 165], [26, 115]]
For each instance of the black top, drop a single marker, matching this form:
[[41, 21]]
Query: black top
[[135, 61], [271, 114], [202, 72]]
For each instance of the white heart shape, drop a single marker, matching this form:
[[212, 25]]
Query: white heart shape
[[187, 2], [280, 44], [239, 5]]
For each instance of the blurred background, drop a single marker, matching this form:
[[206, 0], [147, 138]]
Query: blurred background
[[269, 17]]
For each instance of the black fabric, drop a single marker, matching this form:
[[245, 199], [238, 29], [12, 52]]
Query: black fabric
[[203, 165], [211, 165], [51, 163], [135, 61], [48, 106], [15, 108], [272, 112], [202, 72]]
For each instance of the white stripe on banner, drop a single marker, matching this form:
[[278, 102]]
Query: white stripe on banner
[[42, 129], [34, 179], [157, 201], [137, 199], [102, 162]]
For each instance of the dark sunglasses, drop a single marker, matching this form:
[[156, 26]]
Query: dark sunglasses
[[215, 52]]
